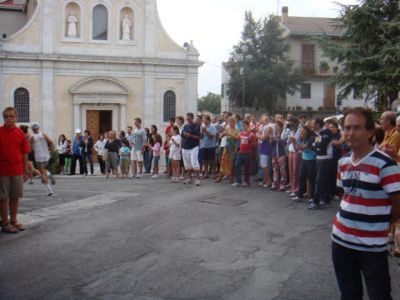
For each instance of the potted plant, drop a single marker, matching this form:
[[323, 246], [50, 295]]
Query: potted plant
[[323, 66]]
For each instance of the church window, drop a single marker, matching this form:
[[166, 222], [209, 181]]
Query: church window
[[21, 104], [100, 23], [169, 105]]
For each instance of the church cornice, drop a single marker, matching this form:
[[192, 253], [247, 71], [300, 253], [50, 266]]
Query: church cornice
[[101, 59]]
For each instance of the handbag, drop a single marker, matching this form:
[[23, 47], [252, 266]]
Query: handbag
[[105, 154]]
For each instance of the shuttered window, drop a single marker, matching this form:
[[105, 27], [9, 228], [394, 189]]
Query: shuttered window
[[169, 105], [21, 104]]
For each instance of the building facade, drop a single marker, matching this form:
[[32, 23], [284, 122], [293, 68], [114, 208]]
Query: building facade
[[94, 64], [317, 91]]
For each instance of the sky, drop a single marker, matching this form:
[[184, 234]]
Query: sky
[[216, 25]]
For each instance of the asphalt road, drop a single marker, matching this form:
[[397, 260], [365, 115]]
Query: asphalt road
[[151, 239]]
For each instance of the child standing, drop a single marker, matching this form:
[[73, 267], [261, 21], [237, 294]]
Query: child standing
[[156, 148], [247, 142], [124, 153], [168, 163], [68, 157], [175, 154]]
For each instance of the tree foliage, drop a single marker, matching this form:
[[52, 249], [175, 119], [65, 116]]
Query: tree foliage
[[211, 103], [370, 52], [269, 74]]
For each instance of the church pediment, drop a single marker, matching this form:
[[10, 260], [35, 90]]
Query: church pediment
[[100, 86]]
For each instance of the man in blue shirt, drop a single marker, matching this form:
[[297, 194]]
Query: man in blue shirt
[[190, 148], [77, 153]]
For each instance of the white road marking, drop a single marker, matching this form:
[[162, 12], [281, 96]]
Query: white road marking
[[58, 211]]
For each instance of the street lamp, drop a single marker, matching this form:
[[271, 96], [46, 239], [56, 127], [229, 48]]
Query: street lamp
[[243, 57]]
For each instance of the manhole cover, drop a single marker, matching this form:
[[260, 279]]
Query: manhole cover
[[225, 201]]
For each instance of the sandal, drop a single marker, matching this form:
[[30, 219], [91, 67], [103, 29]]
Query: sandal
[[18, 226], [8, 228]]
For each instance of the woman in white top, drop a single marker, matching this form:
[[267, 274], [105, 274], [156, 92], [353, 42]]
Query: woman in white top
[[175, 153], [62, 144], [99, 148]]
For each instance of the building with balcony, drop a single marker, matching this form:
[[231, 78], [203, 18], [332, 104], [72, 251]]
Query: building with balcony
[[317, 91]]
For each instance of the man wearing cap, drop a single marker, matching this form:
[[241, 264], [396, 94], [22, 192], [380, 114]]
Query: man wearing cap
[[14, 151], [76, 148], [42, 145]]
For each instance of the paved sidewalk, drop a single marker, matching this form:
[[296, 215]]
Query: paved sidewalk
[[99, 238]]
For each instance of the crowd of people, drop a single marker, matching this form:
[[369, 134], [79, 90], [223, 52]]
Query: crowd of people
[[348, 157]]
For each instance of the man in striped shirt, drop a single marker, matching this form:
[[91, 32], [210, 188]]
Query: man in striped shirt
[[371, 202]]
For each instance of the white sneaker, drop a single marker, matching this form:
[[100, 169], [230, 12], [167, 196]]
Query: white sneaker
[[181, 178], [236, 184], [173, 180], [198, 183], [244, 184], [154, 176], [138, 176]]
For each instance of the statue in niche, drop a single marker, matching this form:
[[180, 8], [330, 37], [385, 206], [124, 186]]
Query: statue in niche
[[71, 28], [126, 28]]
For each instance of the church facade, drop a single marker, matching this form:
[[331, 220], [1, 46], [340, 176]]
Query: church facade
[[95, 64]]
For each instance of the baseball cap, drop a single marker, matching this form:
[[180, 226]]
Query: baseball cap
[[35, 125], [78, 130]]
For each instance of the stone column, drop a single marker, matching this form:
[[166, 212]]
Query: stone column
[[48, 25], [77, 116], [123, 116], [47, 86], [150, 28], [115, 118], [149, 97], [191, 90]]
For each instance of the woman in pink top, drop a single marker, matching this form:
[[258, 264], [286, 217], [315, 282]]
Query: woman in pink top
[[156, 148]]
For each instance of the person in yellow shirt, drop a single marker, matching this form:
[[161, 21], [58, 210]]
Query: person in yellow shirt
[[391, 146], [391, 142]]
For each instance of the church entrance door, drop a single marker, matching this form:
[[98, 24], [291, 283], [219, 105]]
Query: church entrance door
[[98, 122]]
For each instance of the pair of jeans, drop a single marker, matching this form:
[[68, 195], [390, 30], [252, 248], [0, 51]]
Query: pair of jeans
[[307, 172], [325, 173], [242, 162], [148, 159], [102, 164], [87, 157], [75, 158], [349, 264]]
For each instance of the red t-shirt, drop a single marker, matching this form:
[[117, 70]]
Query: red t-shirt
[[168, 130], [247, 140], [13, 146]]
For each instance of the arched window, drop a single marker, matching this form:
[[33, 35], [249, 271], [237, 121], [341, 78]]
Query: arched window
[[169, 105], [21, 104], [100, 23]]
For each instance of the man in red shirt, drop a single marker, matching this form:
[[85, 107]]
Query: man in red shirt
[[247, 142], [14, 151]]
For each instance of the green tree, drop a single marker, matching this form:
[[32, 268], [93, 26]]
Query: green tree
[[370, 52], [262, 56], [211, 103]]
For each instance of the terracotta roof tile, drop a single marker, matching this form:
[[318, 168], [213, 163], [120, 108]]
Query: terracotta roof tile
[[313, 26]]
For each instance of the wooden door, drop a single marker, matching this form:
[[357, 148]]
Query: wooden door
[[329, 96], [92, 123], [308, 58]]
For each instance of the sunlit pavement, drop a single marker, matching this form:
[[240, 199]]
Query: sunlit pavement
[[99, 238]]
